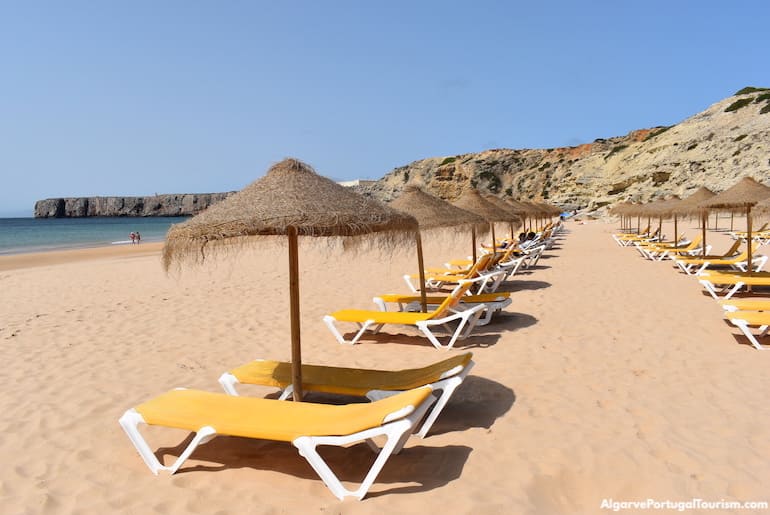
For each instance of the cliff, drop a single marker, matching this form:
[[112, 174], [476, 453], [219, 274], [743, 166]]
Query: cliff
[[714, 148], [156, 205]]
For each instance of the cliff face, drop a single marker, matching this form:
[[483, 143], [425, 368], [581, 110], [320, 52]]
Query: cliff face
[[156, 205], [729, 140]]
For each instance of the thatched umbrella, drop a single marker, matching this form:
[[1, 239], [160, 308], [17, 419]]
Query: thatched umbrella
[[432, 213], [291, 199], [471, 200], [516, 213], [662, 209], [689, 206], [742, 196]]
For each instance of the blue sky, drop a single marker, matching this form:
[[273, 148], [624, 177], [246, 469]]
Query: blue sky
[[144, 97]]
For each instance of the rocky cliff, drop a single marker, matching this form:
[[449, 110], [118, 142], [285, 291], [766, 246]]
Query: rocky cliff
[[729, 140], [156, 205]]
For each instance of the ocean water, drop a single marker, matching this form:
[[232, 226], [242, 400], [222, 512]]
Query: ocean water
[[19, 235]]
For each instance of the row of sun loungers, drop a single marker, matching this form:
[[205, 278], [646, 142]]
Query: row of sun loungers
[[721, 275], [401, 403]]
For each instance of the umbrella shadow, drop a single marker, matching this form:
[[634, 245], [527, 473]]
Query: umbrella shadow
[[517, 285], [424, 467], [477, 403]]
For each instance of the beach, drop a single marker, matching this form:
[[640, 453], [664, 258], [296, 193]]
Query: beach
[[609, 377]]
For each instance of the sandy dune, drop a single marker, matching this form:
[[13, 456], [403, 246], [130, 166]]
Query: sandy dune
[[608, 377]]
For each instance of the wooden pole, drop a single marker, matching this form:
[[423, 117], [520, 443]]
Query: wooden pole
[[750, 266], [704, 215], [421, 264], [296, 347], [676, 235], [731, 220], [473, 237], [494, 243]]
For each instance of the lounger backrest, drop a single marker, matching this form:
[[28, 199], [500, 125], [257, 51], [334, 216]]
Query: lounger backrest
[[481, 264], [452, 299]]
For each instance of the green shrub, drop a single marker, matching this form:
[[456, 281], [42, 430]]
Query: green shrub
[[447, 161], [692, 146], [406, 176], [765, 109], [739, 138], [738, 104], [657, 132], [750, 89], [615, 150]]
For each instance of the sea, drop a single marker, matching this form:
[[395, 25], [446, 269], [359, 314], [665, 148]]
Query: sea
[[22, 235]]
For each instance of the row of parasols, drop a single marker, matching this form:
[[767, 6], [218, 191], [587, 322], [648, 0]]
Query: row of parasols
[[747, 197], [292, 200]]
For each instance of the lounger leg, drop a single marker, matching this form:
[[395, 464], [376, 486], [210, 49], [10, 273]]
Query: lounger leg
[[329, 321], [744, 327], [396, 433], [130, 423], [228, 382], [409, 284], [733, 290]]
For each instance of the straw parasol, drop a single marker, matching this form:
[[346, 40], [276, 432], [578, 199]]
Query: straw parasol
[[517, 213], [291, 200], [742, 196], [431, 213], [471, 200], [661, 209], [689, 206]]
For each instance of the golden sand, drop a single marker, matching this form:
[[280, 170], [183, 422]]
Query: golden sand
[[608, 377]]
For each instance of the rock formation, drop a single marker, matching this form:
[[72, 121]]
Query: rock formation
[[727, 141], [156, 205]]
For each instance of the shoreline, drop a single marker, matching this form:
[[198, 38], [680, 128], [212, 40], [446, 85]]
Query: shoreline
[[71, 255]]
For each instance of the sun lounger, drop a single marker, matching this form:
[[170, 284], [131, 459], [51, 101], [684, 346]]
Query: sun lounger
[[697, 264], [494, 302], [732, 282], [744, 319], [306, 425], [446, 312], [748, 304], [443, 377]]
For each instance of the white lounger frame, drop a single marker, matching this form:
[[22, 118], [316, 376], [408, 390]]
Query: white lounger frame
[[492, 307], [446, 385], [744, 327], [468, 318], [396, 428]]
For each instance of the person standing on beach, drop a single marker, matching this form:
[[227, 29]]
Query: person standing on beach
[[138, 237], [132, 237]]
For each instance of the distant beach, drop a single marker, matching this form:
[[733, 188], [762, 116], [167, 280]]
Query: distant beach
[[28, 235]]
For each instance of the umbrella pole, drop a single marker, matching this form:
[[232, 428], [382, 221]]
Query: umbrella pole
[[473, 241], [638, 224], [750, 266], [732, 215], [676, 235], [296, 353], [421, 265], [703, 228], [494, 243]]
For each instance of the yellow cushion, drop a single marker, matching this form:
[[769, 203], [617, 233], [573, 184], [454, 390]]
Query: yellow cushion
[[267, 418], [346, 381], [381, 317], [434, 299], [751, 317], [755, 279], [748, 304]]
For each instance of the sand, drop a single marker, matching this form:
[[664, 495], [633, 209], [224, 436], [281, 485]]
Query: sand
[[609, 377]]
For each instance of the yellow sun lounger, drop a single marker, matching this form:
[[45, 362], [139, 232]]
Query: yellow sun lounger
[[694, 265], [495, 302], [445, 313], [711, 280], [748, 304], [443, 377], [743, 319], [306, 425]]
